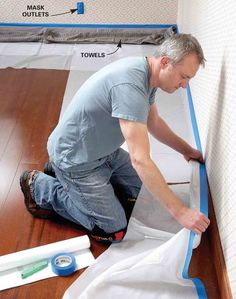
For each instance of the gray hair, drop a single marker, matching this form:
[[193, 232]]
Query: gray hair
[[178, 46]]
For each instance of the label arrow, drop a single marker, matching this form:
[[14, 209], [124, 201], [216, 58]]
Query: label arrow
[[118, 46], [64, 13]]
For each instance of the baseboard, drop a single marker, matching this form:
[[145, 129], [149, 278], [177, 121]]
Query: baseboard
[[217, 254]]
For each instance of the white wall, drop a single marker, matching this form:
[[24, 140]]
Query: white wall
[[214, 97], [96, 12]]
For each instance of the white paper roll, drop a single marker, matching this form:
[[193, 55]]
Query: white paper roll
[[35, 254]]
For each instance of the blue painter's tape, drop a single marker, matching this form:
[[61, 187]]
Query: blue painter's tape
[[161, 26], [200, 288], [63, 264], [201, 291], [80, 8], [203, 190], [188, 256], [193, 119], [203, 175]]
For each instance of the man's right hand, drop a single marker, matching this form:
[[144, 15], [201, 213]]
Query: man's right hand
[[192, 219]]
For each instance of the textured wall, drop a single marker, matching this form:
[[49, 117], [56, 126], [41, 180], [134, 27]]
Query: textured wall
[[96, 12], [213, 91]]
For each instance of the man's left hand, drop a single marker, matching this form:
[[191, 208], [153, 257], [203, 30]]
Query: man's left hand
[[194, 154]]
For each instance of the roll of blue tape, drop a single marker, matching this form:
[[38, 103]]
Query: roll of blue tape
[[63, 264]]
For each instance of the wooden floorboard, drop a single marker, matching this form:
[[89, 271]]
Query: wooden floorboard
[[202, 267], [30, 102]]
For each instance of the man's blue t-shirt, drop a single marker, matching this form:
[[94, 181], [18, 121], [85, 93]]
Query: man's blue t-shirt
[[89, 129]]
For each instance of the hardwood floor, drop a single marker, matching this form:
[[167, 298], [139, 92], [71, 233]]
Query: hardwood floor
[[30, 102], [202, 266]]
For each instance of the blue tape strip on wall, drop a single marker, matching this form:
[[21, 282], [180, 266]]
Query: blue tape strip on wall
[[161, 26], [63, 264], [201, 290]]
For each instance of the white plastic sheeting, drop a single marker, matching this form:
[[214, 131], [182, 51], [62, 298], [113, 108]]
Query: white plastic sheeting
[[37, 55], [152, 260]]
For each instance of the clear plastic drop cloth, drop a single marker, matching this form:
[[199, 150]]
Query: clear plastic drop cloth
[[152, 260]]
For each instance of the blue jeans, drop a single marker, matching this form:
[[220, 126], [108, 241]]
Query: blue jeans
[[91, 197]]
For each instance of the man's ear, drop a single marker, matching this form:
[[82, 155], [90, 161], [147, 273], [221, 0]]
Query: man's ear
[[164, 61]]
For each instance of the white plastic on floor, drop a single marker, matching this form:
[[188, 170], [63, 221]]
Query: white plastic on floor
[[83, 57], [151, 260]]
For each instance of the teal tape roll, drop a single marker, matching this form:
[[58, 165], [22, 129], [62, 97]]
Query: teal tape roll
[[63, 264]]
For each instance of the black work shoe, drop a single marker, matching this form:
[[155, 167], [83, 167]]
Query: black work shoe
[[48, 169], [26, 178], [102, 237]]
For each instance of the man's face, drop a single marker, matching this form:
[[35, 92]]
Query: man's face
[[173, 77]]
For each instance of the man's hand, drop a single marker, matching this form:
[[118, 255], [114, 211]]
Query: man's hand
[[194, 154], [193, 220]]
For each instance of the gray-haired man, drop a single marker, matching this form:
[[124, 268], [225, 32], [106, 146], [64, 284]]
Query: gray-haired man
[[92, 173]]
